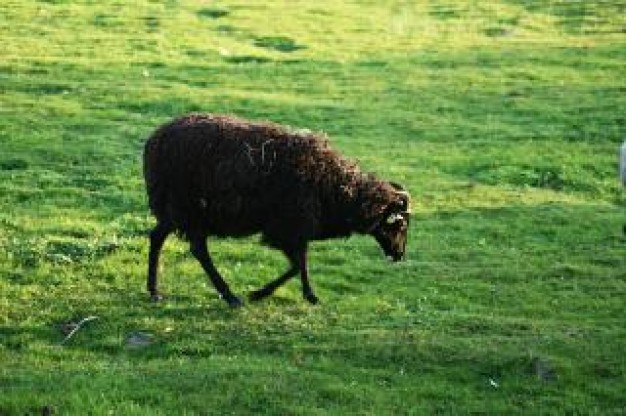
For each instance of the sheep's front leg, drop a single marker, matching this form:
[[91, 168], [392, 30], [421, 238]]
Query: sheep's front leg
[[307, 290], [269, 288], [199, 251], [297, 258]]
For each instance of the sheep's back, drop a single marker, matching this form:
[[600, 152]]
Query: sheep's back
[[230, 177]]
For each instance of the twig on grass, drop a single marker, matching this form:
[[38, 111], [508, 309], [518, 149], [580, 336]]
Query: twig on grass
[[77, 326]]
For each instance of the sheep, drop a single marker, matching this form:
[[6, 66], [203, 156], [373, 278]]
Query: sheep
[[217, 175]]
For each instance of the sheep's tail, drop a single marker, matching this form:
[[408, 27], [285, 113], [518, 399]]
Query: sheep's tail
[[155, 186]]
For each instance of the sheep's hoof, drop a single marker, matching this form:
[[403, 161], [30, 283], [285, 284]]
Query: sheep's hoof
[[233, 301], [156, 298], [311, 298], [259, 294]]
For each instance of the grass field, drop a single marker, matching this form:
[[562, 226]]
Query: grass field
[[503, 119]]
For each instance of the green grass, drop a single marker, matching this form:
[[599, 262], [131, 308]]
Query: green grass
[[502, 118]]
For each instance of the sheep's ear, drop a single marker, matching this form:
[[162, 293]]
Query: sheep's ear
[[404, 195], [397, 186], [405, 201]]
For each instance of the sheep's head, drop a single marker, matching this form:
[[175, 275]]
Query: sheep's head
[[392, 227]]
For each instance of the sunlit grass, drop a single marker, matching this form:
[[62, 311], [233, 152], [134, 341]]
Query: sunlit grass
[[502, 118]]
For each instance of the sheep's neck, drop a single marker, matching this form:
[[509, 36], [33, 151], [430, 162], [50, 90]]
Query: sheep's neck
[[347, 212]]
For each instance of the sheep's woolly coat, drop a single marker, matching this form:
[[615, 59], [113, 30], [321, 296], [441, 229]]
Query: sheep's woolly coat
[[219, 175]]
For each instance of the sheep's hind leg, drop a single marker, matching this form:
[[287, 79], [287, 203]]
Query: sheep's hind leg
[[200, 252], [157, 237]]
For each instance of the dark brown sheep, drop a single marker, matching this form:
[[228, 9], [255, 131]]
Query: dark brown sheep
[[222, 176]]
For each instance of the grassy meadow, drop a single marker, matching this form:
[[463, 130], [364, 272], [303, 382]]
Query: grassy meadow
[[503, 119]]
